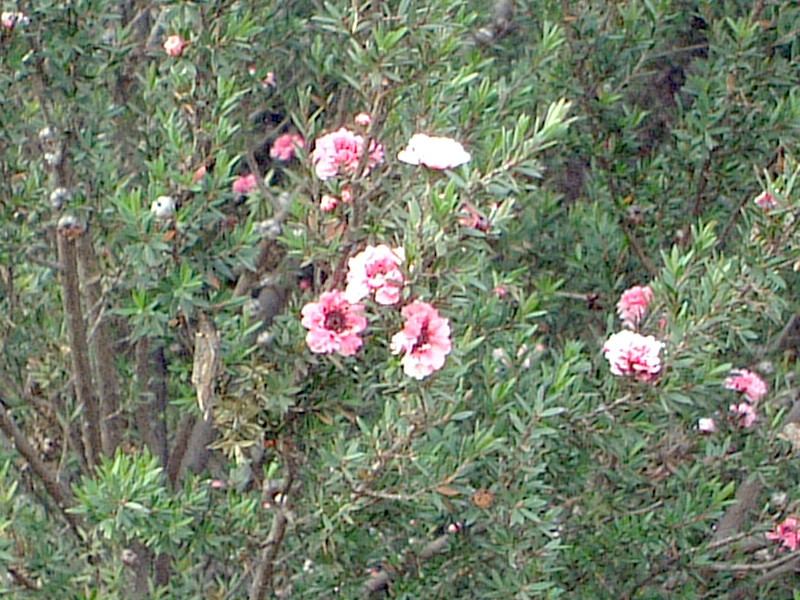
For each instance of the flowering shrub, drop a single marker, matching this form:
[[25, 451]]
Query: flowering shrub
[[249, 352]]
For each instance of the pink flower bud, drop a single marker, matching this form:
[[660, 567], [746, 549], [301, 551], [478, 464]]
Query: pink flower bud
[[175, 45]]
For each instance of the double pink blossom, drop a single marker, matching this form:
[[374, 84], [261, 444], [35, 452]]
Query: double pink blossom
[[433, 152], [376, 269], [9, 20], [630, 353], [706, 425], [284, 146], [633, 304], [787, 533], [175, 45], [765, 201], [742, 380], [328, 202], [744, 413], [341, 151], [244, 184], [424, 340], [334, 324]]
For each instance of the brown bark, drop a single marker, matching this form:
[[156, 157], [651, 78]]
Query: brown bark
[[79, 349], [100, 348], [149, 415]]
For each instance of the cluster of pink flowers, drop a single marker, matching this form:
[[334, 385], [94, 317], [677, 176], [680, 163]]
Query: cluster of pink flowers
[[631, 353], [633, 304], [433, 152], [175, 45], [335, 321], [285, 145], [743, 413], [787, 533], [341, 151]]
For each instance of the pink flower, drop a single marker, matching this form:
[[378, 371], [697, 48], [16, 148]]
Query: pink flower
[[748, 382], [363, 119], [376, 269], [244, 184], [765, 201], [632, 305], [745, 412], [341, 151], [327, 203], [634, 354], [433, 152], [175, 45], [9, 20], [425, 340], [786, 533], [706, 425], [347, 194], [333, 324], [284, 146], [500, 291]]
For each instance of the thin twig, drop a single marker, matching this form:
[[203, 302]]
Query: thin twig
[[60, 494]]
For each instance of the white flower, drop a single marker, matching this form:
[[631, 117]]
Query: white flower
[[433, 152], [163, 207]]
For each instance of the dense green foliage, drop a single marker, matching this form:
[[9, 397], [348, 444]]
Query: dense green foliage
[[612, 145]]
